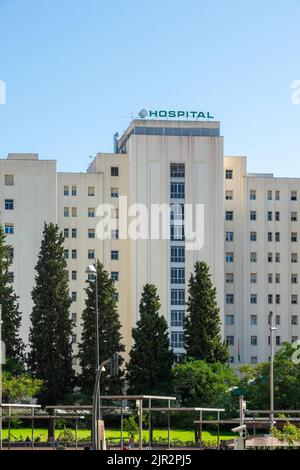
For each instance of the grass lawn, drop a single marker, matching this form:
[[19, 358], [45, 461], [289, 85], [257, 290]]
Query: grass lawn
[[114, 434]]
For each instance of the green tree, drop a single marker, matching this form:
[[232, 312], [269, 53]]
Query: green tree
[[202, 328], [110, 339], [21, 387], [50, 357], [11, 315], [149, 369]]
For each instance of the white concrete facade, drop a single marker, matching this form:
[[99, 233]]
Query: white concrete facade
[[168, 162]]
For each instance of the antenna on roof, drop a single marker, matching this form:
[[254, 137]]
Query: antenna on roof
[[116, 142]]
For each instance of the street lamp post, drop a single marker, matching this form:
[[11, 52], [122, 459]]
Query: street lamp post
[[272, 330]]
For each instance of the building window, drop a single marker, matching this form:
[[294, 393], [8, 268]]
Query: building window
[[177, 296], [270, 299], [294, 299], [270, 236], [74, 296], [253, 257], [114, 255], [74, 275], [277, 320], [74, 232], [229, 278], [91, 233], [252, 215], [74, 254], [277, 236], [270, 216], [177, 318], [91, 191], [177, 170], [91, 254], [270, 278], [66, 232], [66, 190], [277, 257], [294, 216], [277, 278], [229, 174], [229, 320], [229, 299], [229, 215], [253, 359], [9, 229], [74, 191], [177, 340], [177, 233], [229, 257], [9, 180], [229, 195], [91, 277], [115, 275], [229, 237], [253, 298], [10, 252], [293, 195], [177, 275], [66, 254], [294, 257], [294, 278], [253, 278], [115, 234], [177, 190], [177, 254], [253, 320], [294, 237], [230, 340], [270, 257], [277, 195], [114, 171], [74, 211], [277, 299], [66, 212], [9, 204], [253, 236], [253, 340], [278, 340], [294, 339], [277, 216], [270, 195], [74, 317], [114, 192], [294, 319], [252, 195], [91, 212]]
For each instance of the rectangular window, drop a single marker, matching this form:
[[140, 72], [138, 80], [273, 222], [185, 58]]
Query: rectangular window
[[253, 257], [177, 275], [294, 299], [66, 233], [293, 195], [74, 275], [177, 318], [66, 254], [74, 232], [229, 174], [230, 340], [177, 340], [270, 216], [9, 204], [252, 215], [294, 216], [294, 257], [277, 278], [74, 190], [253, 359], [114, 192], [277, 320], [66, 212], [74, 211], [91, 254], [229, 195], [177, 254], [74, 254], [91, 191], [114, 171], [294, 319], [229, 278], [91, 212], [252, 195], [270, 195], [294, 278], [277, 216], [66, 190], [177, 190], [253, 320], [270, 236], [277, 299], [253, 340], [91, 233], [229, 237], [177, 170], [270, 257], [115, 275], [277, 257], [74, 317], [253, 236], [229, 299], [253, 299], [9, 180], [74, 296], [177, 296], [114, 255], [277, 236], [294, 237], [270, 278], [253, 278], [270, 299], [277, 195], [229, 320], [229, 215], [177, 233], [229, 257], [9, 229], [278, 340]]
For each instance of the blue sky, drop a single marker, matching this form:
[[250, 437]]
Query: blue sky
[[75, 70]]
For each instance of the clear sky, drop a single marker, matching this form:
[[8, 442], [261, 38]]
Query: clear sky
[[75, 70]]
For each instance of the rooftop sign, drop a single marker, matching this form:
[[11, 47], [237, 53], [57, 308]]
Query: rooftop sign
[[175, 114]]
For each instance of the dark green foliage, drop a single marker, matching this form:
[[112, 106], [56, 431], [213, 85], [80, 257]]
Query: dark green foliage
[[50, 357], [202, 328], [149, 369], [109, 335], [11, 316]]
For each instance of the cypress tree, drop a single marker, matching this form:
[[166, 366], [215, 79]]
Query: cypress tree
[[11, 316], [202, 328], [110, 339], [150, 365], [50, 357]]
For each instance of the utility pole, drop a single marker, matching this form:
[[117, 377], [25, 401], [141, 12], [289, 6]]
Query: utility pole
[[272, 330]]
